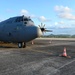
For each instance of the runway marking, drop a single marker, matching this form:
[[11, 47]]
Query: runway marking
[[29, 49], [40, 51], [67, 64]]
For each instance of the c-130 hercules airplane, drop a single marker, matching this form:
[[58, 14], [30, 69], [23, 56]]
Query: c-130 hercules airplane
[[19, 29]]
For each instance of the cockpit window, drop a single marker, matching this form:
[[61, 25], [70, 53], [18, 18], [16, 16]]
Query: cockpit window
[[19, 19], [25, 19], [30, 20]]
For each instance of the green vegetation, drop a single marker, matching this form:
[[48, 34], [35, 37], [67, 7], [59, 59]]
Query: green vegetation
[[59, 36]]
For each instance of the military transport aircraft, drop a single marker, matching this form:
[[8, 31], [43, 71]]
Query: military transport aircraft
[[19, 29]]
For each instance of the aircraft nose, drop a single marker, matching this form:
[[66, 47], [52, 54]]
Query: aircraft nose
[[39, 33]]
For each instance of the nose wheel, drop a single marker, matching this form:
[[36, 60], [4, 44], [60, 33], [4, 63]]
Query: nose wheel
[[21, 44]]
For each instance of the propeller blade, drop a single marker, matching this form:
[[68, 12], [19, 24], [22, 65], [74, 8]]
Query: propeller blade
[[43, 29], [43, 26], [39, 26], [48, 30]]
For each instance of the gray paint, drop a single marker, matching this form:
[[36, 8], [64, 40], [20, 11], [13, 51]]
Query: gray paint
[[14, 31]]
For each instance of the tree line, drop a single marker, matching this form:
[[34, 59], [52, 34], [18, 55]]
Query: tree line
[[59, 36]]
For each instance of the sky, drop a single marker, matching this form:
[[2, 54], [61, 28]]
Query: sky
[[57, 15]]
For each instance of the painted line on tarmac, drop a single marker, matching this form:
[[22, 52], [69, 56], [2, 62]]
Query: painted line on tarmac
[[40, 51], [67, 64]]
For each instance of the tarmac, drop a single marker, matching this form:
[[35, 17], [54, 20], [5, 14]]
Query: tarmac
[[41, 58]]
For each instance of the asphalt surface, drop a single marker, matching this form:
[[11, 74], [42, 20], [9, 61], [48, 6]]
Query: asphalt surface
[[42, 58]]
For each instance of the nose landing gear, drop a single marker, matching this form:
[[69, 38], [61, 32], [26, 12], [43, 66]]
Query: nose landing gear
[[21, 44]]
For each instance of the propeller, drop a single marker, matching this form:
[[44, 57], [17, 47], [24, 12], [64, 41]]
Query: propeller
[[43, 29]]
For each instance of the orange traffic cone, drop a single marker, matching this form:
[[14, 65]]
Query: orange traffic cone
[[32, 42], [50, 42], [65, 53]]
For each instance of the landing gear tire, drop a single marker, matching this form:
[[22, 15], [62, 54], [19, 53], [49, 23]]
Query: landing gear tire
[[22, 45]]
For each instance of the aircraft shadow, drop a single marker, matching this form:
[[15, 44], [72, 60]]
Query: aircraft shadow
[[8, 45]]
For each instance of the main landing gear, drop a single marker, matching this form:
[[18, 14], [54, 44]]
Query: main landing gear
[[21, 44]]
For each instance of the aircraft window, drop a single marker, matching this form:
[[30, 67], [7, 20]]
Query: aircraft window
[[25, 19], [19, 19], [30, 20]]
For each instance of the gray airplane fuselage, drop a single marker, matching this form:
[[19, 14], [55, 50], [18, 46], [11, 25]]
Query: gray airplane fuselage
[[18, 29]]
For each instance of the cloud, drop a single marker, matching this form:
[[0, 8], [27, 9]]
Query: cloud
[[33, 16], [62, 9], [64, 12], [40, 18], [24, 12], [68, 16], [64, 27], [56, 23], [59, 23], [43, 19]]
